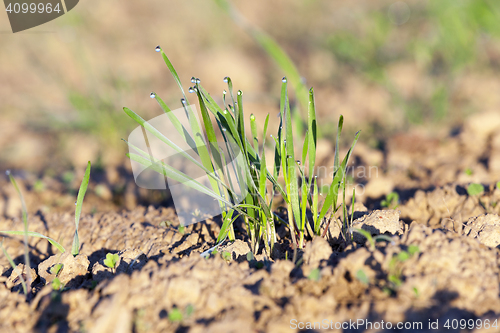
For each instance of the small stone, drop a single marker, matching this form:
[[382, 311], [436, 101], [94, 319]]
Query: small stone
[[485, 228], [378, 222], [14, 282]]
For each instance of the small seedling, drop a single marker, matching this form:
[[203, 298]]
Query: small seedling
[[226, 255], [56, 269], [391, 200], [475, 189], [177, 316], [498, 185], [56, 284], [315, 275], [181, 229], [469, 172], [111, 260], [395, 267], [75, 248]]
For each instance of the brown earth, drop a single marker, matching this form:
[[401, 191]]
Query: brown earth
[[161, 283]]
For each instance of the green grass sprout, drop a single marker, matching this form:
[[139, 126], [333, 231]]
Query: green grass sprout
[[75, 248], [111, 260], [391, 200], [291, 178], [475, 189], [25, 233]]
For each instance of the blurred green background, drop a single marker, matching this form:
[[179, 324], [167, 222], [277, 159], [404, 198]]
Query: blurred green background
[[386, 66]]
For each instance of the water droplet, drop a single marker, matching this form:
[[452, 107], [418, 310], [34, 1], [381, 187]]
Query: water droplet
[[183, 101], [223, 128], [288, 156], [235, 104], [298, 162], [284, 141], [75, 203], [252, 117], [225, 111], [279, 114], [283, 79], [152, 95], [191, 90], [7, 172], [316, 177], [193, 80], [226, 79], [198, 80], [224, 91], [271, 136], [240, 92], [158, 48]]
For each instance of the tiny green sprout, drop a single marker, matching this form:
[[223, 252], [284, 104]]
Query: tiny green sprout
[[498, 185], [175, 315], [250, 256], [403, 256], [361, 276], [111, 260], [56, 269], [469, 172], [415, 290], [181, 229], [475, 189], [315, 274], [412, 249], [56, 284], [226, 255], [391, 200], [39, 186]]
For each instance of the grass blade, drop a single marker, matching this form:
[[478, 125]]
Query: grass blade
[[35, 234], [75, 248], [25, 222], [311, 134]]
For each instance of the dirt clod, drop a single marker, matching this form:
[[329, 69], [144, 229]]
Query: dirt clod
[[72, 272]]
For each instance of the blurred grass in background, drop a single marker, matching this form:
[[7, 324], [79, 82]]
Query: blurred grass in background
[[385, 65]]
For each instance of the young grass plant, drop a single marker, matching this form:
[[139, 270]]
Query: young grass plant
[[26, 233], [300, 188]]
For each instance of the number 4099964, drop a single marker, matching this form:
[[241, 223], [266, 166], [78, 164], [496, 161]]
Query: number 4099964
[[32, 8]]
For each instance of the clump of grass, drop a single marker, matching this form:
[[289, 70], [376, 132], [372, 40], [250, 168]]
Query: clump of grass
[[299, 189]]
